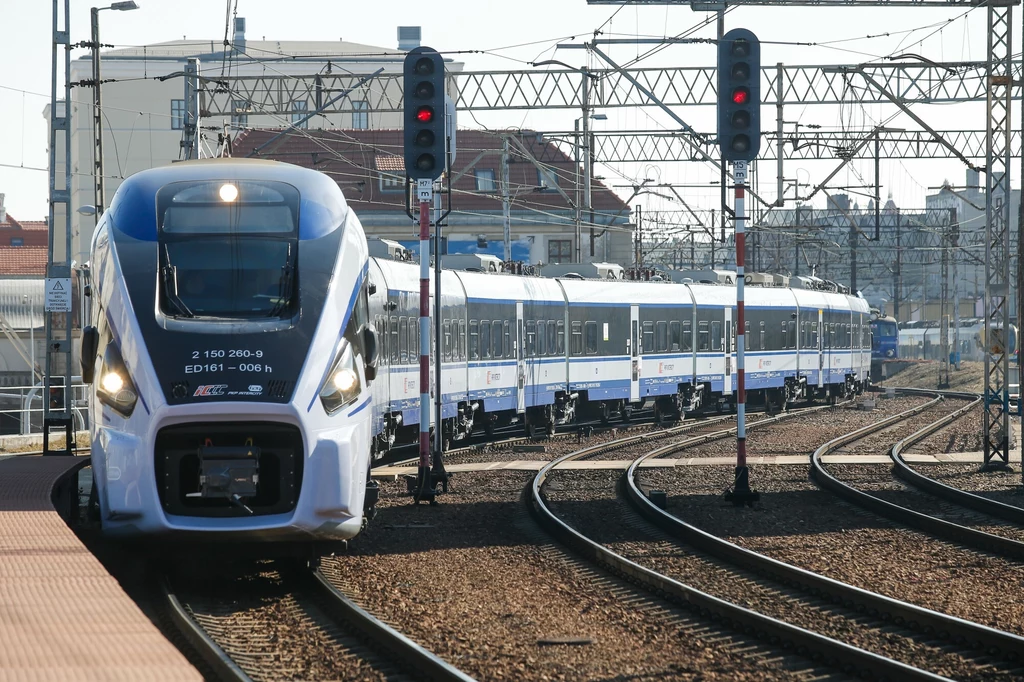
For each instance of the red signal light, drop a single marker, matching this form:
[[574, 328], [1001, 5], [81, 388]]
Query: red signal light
[[740, 96], [425, 114]]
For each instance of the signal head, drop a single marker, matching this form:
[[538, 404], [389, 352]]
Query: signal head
[[740, 144], [424, 134], [740, 48], [740, 96], [740, 71]]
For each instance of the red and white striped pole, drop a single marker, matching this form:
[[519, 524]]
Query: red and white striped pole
[[424, 486], [741, 493]]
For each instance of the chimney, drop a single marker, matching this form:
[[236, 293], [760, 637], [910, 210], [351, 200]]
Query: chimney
[[408, 37], [3, 209], [239, 36]]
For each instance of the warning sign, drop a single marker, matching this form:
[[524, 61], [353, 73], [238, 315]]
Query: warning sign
[[58, 294]]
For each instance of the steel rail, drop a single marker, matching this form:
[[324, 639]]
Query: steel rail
[[211, 653], [908, 517], [902, 613], [1001, 510], [418, 660], [810, 644]]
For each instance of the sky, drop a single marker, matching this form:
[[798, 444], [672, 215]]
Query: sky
[[489, 36]]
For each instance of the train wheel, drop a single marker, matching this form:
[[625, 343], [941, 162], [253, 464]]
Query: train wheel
[[606, 415], [627, 413]]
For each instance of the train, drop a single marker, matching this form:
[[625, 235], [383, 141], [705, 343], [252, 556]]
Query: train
[[921, 341], [248, 358]]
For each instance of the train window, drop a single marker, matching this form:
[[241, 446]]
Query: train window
[[591, 328], [760, 337], [552, 338], [462, 340], [531, 338], [447, 341], [661, 336], [647, 341], [687, 336], [785, 339], [542, 338], [509, 347], [702, 336], [485, 340], [403, 339], [496, 350], [674, 336], [576, 340], [716, 335], [814, 335], [474, 338], [792, 333], [560, 344], [747, 338]]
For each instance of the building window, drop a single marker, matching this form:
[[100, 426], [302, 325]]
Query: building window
[[300, 108], [391, 183], [559, 251], [547, 178], [177, 114], [240, 115], [485, 180], [360, 115], [17, 241]]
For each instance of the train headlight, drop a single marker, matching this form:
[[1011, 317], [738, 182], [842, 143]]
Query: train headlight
[[342, 385], [116, 389]]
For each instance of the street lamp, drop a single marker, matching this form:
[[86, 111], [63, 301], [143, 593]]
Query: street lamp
[[97, 108]]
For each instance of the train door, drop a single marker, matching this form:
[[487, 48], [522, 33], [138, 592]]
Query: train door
[[727, 349], [520, 360], [821, 345], [634, 351]]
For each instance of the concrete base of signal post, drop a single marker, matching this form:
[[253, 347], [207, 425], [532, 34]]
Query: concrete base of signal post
[[741, 494]]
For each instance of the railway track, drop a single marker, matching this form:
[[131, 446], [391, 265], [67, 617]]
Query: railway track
[[947, 643], [271, 622], [1006, 537]]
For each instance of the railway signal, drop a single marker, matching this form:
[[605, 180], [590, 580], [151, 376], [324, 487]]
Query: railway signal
[[739, 95], [425, 114]]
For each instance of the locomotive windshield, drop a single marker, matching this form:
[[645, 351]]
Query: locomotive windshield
[[228, 249], [884, 328]]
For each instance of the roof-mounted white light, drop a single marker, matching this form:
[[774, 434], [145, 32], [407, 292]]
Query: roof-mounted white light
[[228, 193]]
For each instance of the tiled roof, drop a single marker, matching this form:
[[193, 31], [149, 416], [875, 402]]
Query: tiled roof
[[355, 158], [23, 260], [389, 162]]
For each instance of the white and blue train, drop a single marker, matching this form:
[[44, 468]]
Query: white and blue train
[[546, 351], [249, 358]]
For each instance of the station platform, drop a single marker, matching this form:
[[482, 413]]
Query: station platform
[[62, 616], [393, 472]]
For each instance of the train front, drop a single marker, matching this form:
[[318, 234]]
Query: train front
[[230, 356]]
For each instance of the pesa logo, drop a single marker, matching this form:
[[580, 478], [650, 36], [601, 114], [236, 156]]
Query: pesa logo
[[212, 389]]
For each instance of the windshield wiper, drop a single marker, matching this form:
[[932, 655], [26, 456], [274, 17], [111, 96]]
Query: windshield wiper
[[284, 287], [170, 274]]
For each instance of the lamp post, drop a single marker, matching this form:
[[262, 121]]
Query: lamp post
[[97, 108]]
